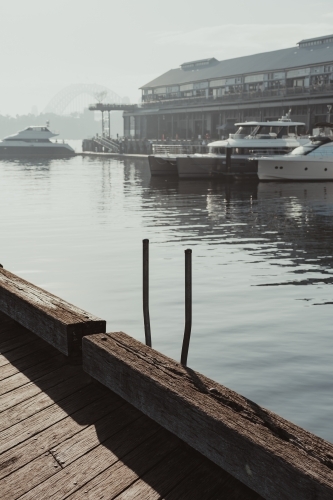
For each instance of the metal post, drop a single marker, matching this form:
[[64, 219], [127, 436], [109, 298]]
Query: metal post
[[188, 306], [109, 126], [145, 287], [102, 123], [228, 158]]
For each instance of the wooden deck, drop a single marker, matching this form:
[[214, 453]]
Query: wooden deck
[[65, 436]]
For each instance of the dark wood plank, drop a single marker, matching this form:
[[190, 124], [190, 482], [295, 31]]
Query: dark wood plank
[[38, 470], [84, 441], [32, 374], [58, 322], [18, 433], [243, 438], [11, 330], [165, 476], [81, 471], [115, 479], [13, 343], [23, 351], [94, 403], [32, 360], [208, 481], [40, 401]]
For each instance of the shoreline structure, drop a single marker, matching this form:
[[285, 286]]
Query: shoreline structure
[[251, 446]]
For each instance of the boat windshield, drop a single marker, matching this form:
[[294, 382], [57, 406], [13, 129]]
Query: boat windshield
[[304, 150], [216, 151], [245, 130], [274, 131]]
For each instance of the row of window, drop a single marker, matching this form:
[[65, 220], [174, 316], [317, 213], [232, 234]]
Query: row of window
[[250, 82]]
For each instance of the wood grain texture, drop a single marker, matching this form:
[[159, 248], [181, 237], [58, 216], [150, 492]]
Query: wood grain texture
[[23, 351], [24, 479], [40, 401], [31, 374], [58, 322], [29, 390], [93, 404], [42, 353], [269, 454], [116, 478], [18, 433], [91, 465]]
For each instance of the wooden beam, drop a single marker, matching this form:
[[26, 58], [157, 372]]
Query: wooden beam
[[56, 321], [269, 454]]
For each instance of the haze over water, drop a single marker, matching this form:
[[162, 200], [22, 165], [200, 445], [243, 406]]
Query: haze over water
[[262, 269]]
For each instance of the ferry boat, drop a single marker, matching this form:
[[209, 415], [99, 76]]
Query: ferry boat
[[312, 162], [34, 142], [230, 157]]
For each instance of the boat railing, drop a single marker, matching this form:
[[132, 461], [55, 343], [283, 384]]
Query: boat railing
[[173, 149]]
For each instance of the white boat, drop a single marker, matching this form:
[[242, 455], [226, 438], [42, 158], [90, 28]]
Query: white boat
[[34, 142], [312, 162], [230, 157]]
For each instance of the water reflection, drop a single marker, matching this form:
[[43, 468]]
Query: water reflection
[[75, 227]]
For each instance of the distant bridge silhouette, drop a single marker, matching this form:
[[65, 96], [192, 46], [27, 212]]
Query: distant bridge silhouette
[[82, 94]]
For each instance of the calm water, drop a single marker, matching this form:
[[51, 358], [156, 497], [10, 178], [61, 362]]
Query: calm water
[[262, 269]]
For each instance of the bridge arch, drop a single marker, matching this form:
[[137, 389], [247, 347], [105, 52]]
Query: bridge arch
[[62, 100]]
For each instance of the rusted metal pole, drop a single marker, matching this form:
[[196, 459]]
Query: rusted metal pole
[[145, 290], [228, 158], [188, 306]]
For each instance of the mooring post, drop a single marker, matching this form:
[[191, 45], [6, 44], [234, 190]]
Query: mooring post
[[188, 306], [145, 290], [228, 159]]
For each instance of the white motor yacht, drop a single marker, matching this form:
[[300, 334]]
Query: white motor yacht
[[34, 142], [312, 162], [230, 157]]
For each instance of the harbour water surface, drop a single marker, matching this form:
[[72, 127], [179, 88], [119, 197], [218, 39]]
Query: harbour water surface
[[262, 269]]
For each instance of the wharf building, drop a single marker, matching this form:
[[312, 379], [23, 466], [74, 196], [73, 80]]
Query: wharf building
[[206, 97]]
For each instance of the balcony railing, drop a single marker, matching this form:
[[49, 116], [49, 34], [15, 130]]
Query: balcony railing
[[242, 96], [176, 149]]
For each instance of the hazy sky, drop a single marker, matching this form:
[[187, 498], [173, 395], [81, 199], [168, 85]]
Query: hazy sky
[[123, 45]]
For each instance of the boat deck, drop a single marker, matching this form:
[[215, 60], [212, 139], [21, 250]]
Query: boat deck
[[64, 435]]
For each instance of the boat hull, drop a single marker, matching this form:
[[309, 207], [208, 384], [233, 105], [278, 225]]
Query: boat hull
[[203, 167], [304, 169], [36, 152], [162, 165]]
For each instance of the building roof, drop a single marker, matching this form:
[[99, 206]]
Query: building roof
[[266, 61], [318, 38]]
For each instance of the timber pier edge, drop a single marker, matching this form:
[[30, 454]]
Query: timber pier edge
[[148, 427]]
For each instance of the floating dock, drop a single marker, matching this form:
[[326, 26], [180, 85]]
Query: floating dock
[[89, 414]]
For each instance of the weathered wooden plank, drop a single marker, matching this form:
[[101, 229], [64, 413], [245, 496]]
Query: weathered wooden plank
[[269, 454], [128, 469], [164, 476], [20, 352], [58, 322], [11, 331], [23, 365], [40, 401], [18, 433], [9, 345], [94, 403], [84, 441], [40, 469], [81, 471], [208, 481], [33, 373]]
